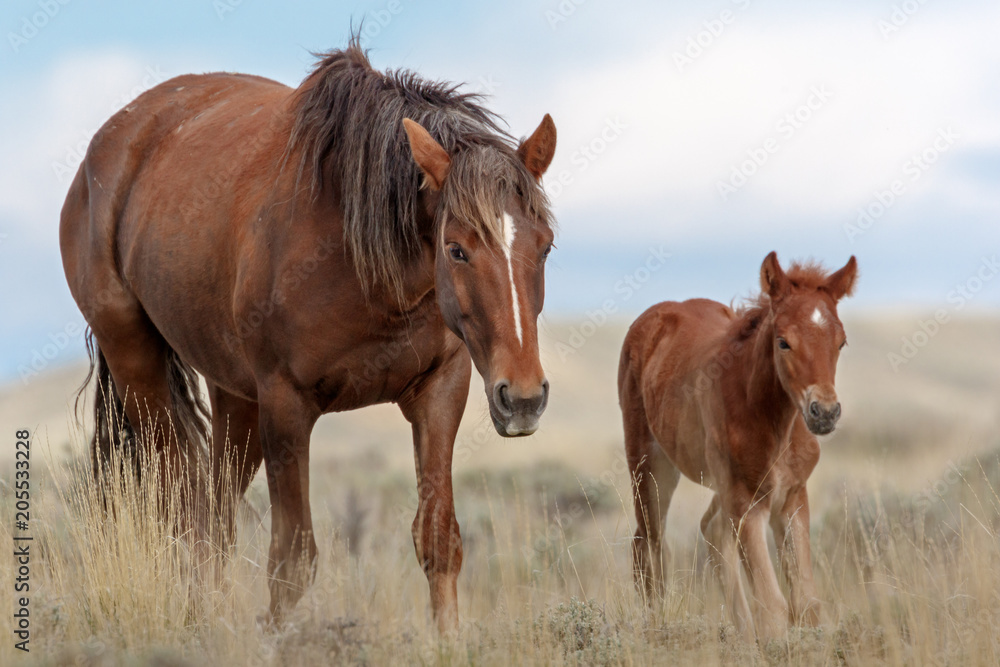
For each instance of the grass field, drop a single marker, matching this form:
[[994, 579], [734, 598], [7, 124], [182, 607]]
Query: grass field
[[905, 533]]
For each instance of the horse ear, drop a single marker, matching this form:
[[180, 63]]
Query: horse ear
[[432, 159], [773, 280], [537, 150], [841, 283]]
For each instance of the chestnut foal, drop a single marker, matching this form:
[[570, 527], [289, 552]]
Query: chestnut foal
[[732, 399]]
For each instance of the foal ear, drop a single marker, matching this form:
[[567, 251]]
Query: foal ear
[[537, 150], [773, 280], [432, 159], [841, 283]]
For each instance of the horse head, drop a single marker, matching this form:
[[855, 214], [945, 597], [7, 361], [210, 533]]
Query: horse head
[[808, 335], [491, 239]]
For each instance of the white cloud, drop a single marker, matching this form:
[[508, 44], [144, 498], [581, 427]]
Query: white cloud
[[55, 117], [688, 129]]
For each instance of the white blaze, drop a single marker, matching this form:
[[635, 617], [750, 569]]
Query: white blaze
[[817, 318], [508, 244]]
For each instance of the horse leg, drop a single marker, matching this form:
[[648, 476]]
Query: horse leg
[[434, 408], [654, 480], [137, 357], [236, 454], [791, 535], [286, 421], [721, 536], [771, 609]]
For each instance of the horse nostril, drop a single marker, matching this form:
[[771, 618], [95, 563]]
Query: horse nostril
[[814, 409], [545, 396], [835, 413], [502, 399]]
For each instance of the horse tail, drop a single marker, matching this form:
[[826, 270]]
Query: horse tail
[[112, 430], [190, 411]]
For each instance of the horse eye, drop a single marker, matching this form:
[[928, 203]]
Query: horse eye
[[548, 249], [843, 345], [783, 344], [457, 253]]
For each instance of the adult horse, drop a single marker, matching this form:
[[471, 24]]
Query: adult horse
[[349, 242], [732, 399]]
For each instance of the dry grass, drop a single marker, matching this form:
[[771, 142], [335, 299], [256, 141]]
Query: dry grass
[[908, 578], [908, 567]]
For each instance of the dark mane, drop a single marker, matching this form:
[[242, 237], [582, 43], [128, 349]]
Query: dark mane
[[349, 125], [804, 277]]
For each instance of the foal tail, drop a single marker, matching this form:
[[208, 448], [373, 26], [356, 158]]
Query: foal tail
[[115, 438]]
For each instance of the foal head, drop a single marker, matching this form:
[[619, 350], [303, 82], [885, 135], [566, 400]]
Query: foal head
[[491, 239], [808, 335]]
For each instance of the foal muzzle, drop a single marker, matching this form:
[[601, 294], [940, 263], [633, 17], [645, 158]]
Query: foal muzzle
[[822, 416]]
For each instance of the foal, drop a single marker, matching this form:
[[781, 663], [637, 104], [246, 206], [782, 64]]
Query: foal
[[734, 400]]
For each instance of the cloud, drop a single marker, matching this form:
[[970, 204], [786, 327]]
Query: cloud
[[46, 134], [689, 124], [56, 116]]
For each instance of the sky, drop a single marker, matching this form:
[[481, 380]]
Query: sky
[[694, 138]]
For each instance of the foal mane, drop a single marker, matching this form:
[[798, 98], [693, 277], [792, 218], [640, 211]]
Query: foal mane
[[806, 276], [349, 123]]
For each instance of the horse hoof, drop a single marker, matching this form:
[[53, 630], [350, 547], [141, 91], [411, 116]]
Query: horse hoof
[[269, 624]]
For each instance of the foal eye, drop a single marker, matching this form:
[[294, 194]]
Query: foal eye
[[783, 344], [843, 345], [457, 253]]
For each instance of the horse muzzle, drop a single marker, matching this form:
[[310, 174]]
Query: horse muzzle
[[515, 411], [821, 416]]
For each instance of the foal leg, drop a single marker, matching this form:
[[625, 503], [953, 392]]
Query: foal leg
[[434, 408], [654, 480], [286, 420], [790, 524], [720, 533], [236, 454], [771, 617]]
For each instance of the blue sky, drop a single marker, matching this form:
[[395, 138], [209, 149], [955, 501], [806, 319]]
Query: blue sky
[[713, 132]]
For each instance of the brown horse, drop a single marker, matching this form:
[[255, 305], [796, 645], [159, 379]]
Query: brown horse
[[732, 400], [349, 242]]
